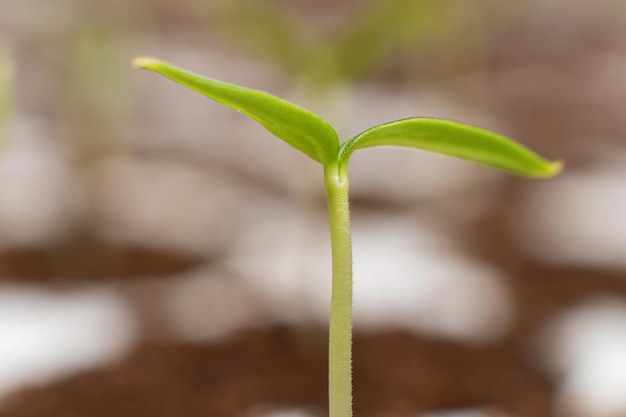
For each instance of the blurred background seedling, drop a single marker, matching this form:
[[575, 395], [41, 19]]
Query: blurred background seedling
[[366, 36], [6, 89]]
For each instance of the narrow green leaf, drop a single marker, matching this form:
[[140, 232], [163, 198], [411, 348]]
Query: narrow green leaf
[[6, 80], [298, 127], [454, 139]]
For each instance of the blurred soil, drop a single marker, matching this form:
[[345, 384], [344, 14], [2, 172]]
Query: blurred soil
[[85, 257], [395, 374]]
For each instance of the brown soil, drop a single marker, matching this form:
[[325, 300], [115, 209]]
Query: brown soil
[[396, 374], [87, 258]]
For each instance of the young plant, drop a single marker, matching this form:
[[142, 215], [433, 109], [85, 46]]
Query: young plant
[[314, 137]]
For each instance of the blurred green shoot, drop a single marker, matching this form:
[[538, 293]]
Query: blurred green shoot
[[6, 89], [94, 102], [315, 138], [386, 27], [260, 27], [346, 54]]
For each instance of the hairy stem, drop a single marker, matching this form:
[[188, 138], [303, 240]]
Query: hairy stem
[[340, 328]]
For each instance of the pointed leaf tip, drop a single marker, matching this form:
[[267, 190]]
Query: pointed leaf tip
[[554, 169], [296, 126], [142, 62]]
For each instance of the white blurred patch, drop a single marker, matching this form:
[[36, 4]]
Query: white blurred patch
[[286, 261], [405, 276], [40, 198], [284, 412], [162, 203], [207, 306], [586, 347], [464, 412], [577, 219], [45, 336]]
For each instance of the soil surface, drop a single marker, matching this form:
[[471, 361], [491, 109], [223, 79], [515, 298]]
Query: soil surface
[[84, 257], [395, 374]]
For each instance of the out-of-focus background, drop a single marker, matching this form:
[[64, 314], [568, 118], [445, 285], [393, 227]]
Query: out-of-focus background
[[161, 255]]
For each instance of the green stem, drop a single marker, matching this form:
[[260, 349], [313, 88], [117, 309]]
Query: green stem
[[340, 328]]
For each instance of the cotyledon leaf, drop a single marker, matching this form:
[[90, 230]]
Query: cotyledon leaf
[[298, 127], [454, 139]]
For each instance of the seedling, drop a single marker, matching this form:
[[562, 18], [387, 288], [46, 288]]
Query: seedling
[[316, 138]]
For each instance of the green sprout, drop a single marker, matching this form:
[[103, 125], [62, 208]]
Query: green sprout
[[316, 138]]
